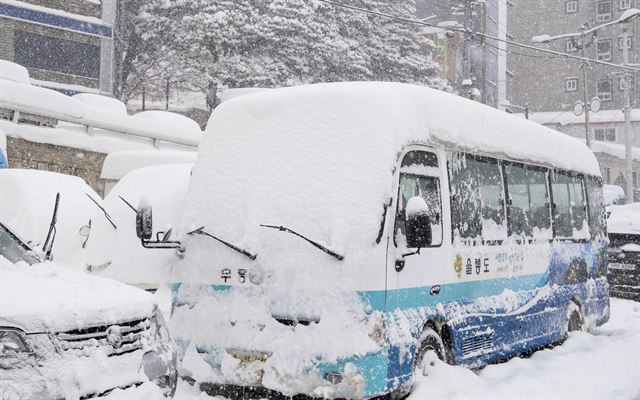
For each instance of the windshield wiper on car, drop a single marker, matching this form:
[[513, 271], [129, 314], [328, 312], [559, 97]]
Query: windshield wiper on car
[[201, 231], [315, 244], [106, 214]]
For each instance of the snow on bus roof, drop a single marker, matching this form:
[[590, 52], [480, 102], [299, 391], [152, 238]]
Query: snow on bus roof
[[425, 115]]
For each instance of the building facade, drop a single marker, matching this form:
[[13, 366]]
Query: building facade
[[66, 45], [472, 63], [551, 83]]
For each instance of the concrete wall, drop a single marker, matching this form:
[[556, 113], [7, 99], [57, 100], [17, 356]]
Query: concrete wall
[[31, 155]]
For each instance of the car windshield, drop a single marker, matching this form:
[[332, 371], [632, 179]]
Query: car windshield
[[13, 249]]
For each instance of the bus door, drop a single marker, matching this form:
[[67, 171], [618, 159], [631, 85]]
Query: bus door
[[417, 254]]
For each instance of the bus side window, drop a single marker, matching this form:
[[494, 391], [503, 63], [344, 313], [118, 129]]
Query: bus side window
[[477, 198], [596, 207], [528, 203], [570, 215]]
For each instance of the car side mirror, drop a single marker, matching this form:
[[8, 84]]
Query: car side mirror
[[417, 223], [144, 221]]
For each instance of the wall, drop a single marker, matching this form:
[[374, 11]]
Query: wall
[[31, 155]]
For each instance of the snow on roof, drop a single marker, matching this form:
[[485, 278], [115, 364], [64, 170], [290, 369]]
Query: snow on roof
[[319, 159], [14, 72], [102, 103], [624, 219], [613, 149], [119, 163], [53, 11], [568, 117]]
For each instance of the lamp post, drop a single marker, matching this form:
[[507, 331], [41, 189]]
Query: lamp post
[[585, 31]]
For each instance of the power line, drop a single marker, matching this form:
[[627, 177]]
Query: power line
[[479, 34]]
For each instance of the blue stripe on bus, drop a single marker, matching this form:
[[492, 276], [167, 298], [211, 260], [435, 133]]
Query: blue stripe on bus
[[452, 292], [57, 21]]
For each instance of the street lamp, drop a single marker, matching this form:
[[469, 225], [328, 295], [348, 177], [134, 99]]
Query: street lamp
[[585, 30]]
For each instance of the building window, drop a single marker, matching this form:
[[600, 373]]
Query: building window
[[58, 55], [571, 85], [625, 4], [571, 6], [605, 134], [634, 176], [604, 89], [603, 11], [621, 42], [569, 46], [604, 50]]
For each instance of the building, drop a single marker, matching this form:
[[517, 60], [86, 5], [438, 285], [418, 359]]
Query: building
[[66, 45], [550, 85], [472, 64]]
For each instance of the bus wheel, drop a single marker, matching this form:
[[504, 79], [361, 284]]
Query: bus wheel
[[431, 347], [575, 321]]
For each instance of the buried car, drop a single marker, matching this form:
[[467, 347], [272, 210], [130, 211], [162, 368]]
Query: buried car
[[65, 334], [624, 251]]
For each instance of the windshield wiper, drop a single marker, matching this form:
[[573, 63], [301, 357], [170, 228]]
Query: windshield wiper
[[201, 231], [106, 214], [315, 244]]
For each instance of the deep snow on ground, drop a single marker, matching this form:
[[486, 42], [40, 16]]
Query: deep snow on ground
[[604, 364]]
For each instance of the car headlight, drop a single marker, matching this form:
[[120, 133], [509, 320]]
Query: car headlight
[[12, 342]]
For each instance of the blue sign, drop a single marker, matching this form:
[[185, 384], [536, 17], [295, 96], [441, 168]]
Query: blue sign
[[57, 21]]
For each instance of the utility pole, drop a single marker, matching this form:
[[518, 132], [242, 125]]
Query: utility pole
[[585, 66], [466, 62], [628, 131]]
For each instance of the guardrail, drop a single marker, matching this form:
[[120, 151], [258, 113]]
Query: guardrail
[[125, 125]]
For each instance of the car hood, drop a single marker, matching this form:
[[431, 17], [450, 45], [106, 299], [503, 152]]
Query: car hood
[[48, 298]]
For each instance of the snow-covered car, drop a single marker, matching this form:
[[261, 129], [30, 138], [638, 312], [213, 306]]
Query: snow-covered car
[[613, 195], [624, 251], [27, 200], [67, 334]]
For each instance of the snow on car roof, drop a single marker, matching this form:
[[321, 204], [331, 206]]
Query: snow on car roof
[[119, 163], [624, 219]]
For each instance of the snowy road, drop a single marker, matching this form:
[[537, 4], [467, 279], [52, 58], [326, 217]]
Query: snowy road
[[602, 365]]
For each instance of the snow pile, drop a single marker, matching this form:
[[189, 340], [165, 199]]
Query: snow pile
[[601, 365], [48, 298], [27, 199], [231, 93], [118, 253], [14, 72], [40, 101], [172, 121], [119, 163], [624, 219], [102, 103]]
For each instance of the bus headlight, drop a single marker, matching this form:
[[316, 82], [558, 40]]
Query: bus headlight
[[377, 328], [12, 342]]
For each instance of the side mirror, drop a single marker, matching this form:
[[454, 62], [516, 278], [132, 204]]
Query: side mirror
[[417, 223], [144, 221]]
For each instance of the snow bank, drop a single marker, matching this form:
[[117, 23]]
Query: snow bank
[[118, 253], [172, 121], [27, 199], [48, 298], [102, 103], [624, 219], [14, 72], [40, 101], [119, 163]]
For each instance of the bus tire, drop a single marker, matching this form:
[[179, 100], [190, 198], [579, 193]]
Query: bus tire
[[430, 344], [575, 320]]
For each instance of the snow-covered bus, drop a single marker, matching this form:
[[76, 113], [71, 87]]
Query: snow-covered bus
[[337, 237]]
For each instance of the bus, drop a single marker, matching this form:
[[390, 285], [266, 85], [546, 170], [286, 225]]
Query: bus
[[337, 238]]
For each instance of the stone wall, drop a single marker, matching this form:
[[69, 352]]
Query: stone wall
[[81, 7], [31, 155]]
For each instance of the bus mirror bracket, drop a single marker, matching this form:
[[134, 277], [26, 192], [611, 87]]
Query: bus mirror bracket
[[144, 230]]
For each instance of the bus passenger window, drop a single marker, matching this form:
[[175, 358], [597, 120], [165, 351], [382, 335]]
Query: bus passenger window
[[477, 199], [528, 204], [418, 177], [570, 216], [596, 207]]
